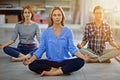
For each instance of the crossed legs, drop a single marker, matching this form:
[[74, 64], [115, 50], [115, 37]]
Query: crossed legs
[[52, 68], [20, 53], [104, 58]]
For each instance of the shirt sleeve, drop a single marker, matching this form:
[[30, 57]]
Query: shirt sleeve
[[109, 33], [85, 33], [38, 33], [41, 49], [15, 33], [72, 48]]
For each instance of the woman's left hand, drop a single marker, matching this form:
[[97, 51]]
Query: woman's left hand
[[118, 47], [1, 46], [87, 57]]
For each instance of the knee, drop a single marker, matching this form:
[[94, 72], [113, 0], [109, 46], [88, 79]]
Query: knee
[[6, 49], [80, 63], [32, 66]]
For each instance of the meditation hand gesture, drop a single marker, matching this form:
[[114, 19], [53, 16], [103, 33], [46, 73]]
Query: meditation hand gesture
[[87, 57], [79, 46], [1, 46], [26, 61], [118, 47]]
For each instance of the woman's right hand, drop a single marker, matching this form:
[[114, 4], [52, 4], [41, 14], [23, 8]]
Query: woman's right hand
[[1, 46], [79, 46], [6, 44], [26, 61]]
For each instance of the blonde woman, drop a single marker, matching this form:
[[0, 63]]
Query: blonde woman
[[57, 42]]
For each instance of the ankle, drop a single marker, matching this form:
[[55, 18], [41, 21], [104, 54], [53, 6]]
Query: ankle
[[21, 55]]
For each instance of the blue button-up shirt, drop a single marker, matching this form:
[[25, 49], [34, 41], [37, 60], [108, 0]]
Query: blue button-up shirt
[[57, 48]]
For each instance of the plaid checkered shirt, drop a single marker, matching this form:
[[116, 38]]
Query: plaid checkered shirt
[[96, 37]]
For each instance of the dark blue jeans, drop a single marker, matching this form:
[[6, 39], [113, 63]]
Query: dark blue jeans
[[67, 66], [14, 52]]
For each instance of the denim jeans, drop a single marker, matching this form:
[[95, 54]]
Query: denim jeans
[[67, 66], [15, 52]]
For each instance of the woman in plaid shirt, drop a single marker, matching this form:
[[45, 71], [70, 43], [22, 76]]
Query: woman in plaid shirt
[[96, 34]]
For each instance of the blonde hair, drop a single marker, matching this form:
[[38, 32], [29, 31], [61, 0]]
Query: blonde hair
[[50, 23], [97, 7], [31, 11]]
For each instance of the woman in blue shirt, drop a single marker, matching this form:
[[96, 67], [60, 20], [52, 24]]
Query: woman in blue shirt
[[57, 42]]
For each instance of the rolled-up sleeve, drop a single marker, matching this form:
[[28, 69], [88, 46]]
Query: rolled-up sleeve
[[41, 49], [71, 46]]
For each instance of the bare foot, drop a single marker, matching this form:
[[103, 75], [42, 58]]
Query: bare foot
[[93, 60], [13, 59], [106, 61], [19, 59], [52, 72], [45, 73], [53, 69]]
